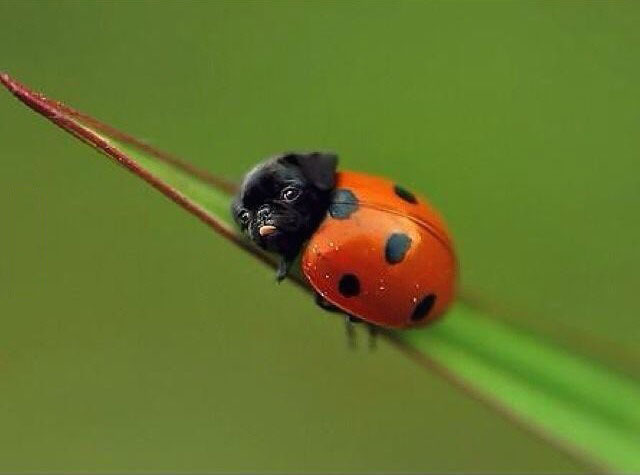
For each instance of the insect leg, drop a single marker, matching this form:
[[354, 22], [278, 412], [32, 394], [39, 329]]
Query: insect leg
[[351, 332], [372, 330]]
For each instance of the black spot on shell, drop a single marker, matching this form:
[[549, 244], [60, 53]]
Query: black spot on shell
[[349, 285], [423, 308], [397, 246], [343, 203], [405, 194]]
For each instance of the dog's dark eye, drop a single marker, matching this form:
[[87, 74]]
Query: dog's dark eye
[[291, 193], [244, 217]]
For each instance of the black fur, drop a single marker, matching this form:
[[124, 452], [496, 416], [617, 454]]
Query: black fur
[[260, 201]]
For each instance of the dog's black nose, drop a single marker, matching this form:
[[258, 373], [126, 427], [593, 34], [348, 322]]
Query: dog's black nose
[[263, 212]]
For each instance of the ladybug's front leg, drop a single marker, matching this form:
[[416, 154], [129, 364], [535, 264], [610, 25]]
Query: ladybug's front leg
[[284, 266]]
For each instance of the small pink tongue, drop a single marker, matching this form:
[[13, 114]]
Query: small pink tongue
[[267, 230]]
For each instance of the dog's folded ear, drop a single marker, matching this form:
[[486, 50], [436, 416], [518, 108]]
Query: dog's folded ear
[[318, 167]]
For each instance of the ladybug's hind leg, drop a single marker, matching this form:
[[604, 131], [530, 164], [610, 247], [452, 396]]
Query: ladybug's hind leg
[[349, 321], [372, 330], [350, 332]]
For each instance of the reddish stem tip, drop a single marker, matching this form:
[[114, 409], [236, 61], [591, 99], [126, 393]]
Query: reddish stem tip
[[10, 83], [35, 101], [5, 79]]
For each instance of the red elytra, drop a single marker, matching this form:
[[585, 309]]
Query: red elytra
[[382, 254]]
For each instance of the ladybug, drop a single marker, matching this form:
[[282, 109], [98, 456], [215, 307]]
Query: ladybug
[[369, 247]]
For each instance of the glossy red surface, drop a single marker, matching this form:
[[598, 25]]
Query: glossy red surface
[[388, 292]]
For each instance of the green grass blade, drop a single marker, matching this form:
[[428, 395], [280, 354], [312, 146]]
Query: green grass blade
[[201, 194], [569, 400]]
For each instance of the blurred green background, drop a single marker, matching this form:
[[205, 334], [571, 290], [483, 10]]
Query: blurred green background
[[132, 338]]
